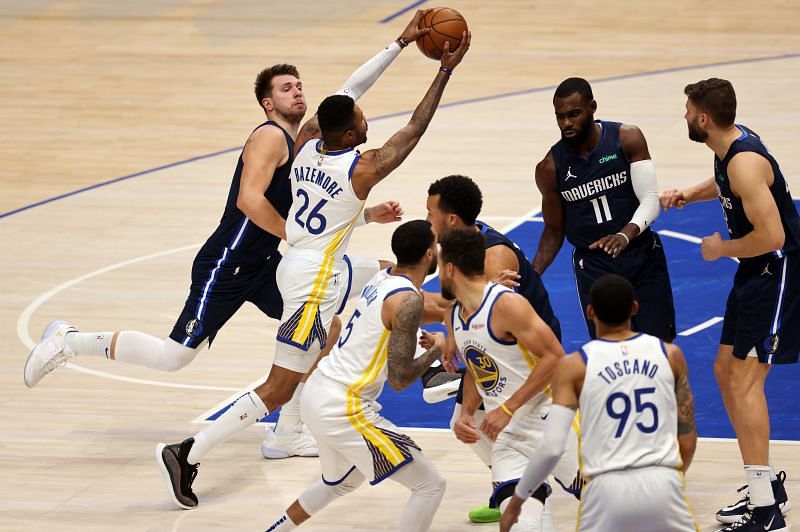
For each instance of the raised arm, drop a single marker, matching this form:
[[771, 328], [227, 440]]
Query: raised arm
[[553, 213], [374, 165], [687, 434], [703, 191], [514, 318], [264, 151], [402, 315]]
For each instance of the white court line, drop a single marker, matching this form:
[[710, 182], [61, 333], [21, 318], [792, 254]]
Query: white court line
[[705, 325]]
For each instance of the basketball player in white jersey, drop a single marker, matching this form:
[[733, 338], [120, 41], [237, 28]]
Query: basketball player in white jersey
[[340, 402], [510, 353], [637, 424], [330, 183]]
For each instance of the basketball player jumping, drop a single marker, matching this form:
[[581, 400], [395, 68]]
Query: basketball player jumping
[[510, 353], [339, 404], [330, 183], [762, 317], [599, 189], [239, 260], [636, 424]]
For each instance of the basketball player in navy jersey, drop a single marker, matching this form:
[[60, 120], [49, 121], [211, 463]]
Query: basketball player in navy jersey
[[599, 188], [762, 316], [238, 261], [454, 202]]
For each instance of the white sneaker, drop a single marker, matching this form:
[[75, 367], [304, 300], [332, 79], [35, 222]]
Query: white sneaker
[[298, 442], [50, 353]]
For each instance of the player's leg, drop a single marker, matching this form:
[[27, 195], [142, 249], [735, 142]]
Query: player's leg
[[646, 268], [427, 487], [587, 271], [216, 293]]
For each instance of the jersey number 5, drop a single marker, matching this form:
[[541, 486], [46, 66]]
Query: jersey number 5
[[641, 406], [315, 223]]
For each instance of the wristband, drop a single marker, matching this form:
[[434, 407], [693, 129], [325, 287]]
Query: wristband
[[507, 410], [402, 42], [628, 240], [448, 71]]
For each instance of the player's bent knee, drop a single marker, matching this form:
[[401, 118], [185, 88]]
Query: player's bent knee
[[177, 356]]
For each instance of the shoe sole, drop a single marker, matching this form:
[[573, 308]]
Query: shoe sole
[[167, 476], [25, 369], [730, 519], [271, 453], [440, 393], [48, 331]]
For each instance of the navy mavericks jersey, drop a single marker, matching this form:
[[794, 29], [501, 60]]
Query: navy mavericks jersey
[[732, 209], [598, 196], [235, 231], [530, 284]]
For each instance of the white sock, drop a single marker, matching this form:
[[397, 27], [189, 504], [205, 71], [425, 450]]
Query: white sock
[[759, 486], [94, 344], [283, 524], [290, 412], [772, 476], [248, 409]]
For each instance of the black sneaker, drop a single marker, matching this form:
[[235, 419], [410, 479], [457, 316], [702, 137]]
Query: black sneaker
[[177, 472], [439, 384], [761, 519], [737, 511]]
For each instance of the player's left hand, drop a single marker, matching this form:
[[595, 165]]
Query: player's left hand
[[428, 340], [711, 247], [384, 213], [494, 423], [412, 31], [511, 514], [507, 278], [611, 244]]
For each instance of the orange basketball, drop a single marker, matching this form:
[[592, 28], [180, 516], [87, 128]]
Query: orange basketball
[[446, 25]]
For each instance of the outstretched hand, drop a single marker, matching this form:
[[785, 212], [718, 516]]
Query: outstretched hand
[[384, 213], [451, 59], [412, 31]]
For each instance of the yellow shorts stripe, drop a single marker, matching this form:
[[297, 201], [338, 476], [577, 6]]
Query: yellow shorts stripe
[[312, 304]]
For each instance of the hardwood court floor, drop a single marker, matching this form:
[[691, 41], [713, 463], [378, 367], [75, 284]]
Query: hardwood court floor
[[94, 90]]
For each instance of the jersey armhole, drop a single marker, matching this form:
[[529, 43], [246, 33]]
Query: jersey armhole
[[397, 290], [583, 355], [489, 320], [663, 347]]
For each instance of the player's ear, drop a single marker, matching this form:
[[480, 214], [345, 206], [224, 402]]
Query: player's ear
[[593, 106], [634, 308], [267, 104], [590, 311]]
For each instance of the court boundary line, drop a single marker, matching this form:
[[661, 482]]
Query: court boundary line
[[406, 9], [468, 101]]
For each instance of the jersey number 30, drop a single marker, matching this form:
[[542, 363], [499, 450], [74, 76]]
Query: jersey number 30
[[618, 398], [315, 223]]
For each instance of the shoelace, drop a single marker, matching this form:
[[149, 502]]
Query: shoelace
[[56, 361]]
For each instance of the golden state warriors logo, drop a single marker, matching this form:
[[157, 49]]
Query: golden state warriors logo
[[482, 367]]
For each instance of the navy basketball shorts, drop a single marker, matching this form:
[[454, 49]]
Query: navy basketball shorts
[[644, 264], [762, 316], [220, 286]]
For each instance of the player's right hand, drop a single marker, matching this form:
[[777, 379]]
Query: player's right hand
[[507, 278], [450, 355], [672, 198], [465, 429], [412, 31], [451, 59]]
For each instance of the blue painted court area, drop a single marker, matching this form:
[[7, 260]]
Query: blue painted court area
[[700, 288]]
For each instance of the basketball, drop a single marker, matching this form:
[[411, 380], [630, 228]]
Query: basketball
[[446, 25]]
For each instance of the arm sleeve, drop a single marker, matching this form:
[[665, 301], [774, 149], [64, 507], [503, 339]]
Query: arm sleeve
[[645, 186], [362, 79], [559, 423]]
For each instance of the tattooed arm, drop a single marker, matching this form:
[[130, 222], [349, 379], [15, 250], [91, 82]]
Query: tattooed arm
[[402, 315], [687, 434]]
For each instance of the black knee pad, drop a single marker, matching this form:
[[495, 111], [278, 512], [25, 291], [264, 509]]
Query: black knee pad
[[506, 490]]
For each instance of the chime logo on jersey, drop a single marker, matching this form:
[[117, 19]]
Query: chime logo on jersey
[[484, 370]]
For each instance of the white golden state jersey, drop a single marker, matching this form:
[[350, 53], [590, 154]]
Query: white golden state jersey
[[359, 358], [324, 207], [499, 367], [627, 407]]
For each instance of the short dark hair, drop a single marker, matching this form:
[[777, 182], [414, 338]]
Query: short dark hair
[[572, 85], [466, 249], [458, 195], [612, 298], [335, 115], [411, 240], [263, 85], [715, 97]]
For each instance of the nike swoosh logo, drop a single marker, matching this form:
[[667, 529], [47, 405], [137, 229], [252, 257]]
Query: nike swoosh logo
[[769, 525], [545, 416]]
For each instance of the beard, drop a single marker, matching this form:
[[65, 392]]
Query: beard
[[432, 267], [447, 290], [292, 115], [581, 135], [695, 133]]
